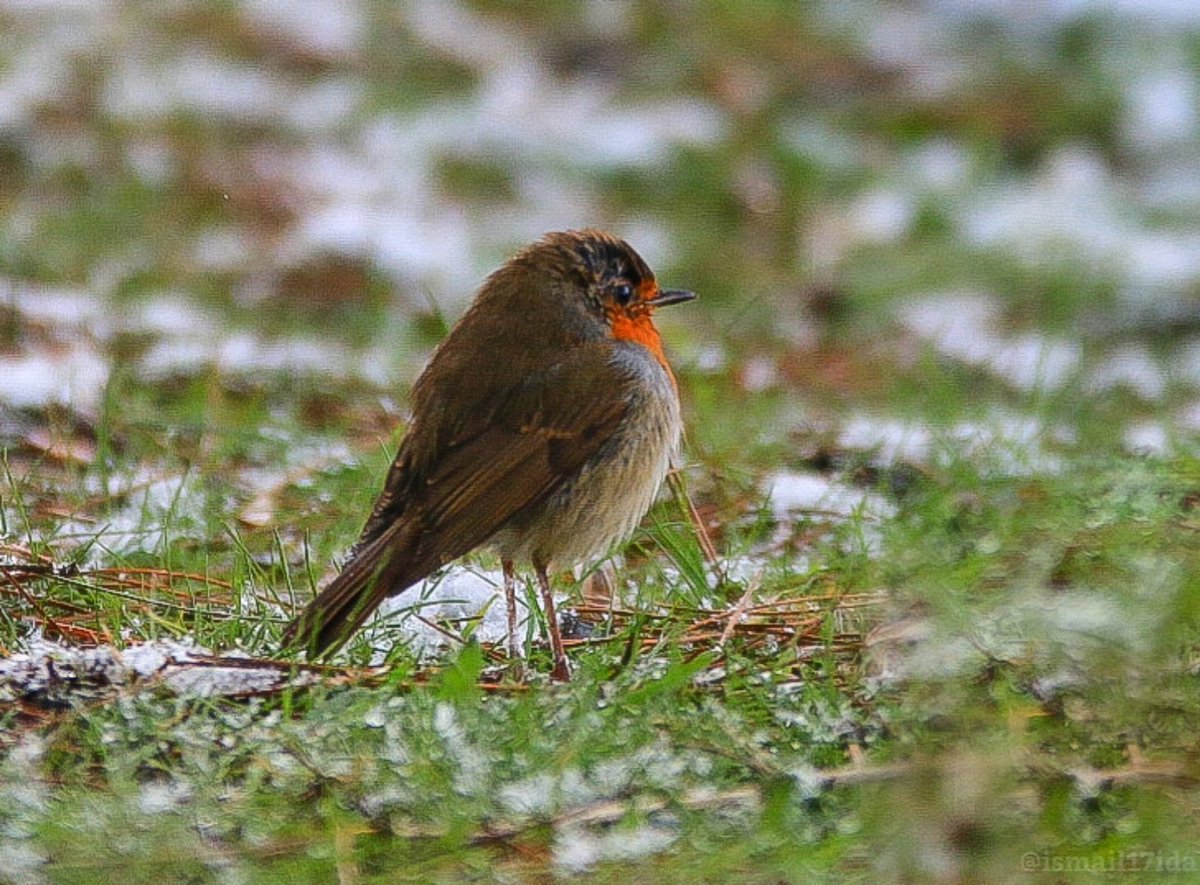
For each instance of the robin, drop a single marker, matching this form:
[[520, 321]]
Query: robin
[[542, 427]]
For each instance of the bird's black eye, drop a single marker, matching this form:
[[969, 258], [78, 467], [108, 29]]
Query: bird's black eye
[[622, 293]]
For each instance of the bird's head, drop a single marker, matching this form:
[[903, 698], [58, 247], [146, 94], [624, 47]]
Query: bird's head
[[608, 279]]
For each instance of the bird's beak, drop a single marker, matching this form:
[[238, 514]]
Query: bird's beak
[[670, 296]]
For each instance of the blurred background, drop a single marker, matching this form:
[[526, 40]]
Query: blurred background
[[902, 217], [945, 364]]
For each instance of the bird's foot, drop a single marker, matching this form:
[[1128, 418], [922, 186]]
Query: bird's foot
[[561, 671]]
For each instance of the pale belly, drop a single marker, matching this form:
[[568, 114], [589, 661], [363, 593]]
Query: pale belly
[[606, 501]]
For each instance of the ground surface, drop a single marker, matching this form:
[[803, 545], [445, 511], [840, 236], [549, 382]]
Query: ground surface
[[942, 390]]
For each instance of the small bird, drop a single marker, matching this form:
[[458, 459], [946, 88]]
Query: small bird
[[542, 427]]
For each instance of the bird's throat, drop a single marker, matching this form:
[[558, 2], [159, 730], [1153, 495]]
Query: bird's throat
[[640, 329]]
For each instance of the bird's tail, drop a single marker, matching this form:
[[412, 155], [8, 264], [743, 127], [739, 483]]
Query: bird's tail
[[379, 570]]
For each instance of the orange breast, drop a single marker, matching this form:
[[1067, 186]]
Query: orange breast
[[639, 327]]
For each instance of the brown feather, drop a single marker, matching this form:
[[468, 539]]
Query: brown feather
[[542, 436]]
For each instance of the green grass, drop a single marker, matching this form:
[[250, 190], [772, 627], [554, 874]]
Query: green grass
[[991, 677], [1060, 612]]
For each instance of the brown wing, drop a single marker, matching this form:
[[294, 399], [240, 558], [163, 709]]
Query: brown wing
[[521, 452]]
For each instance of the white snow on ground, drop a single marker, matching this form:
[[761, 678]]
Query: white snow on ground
[[461, 600], [1007, 442], [457, 596], [966, 326], [43, 376], [795, 495], [1132, 367], [578, 849], [892, 440], [46, 663], [67, 365], [1148, 438], [1075, 211], [791, 493], [50, 667], [1071, 628]]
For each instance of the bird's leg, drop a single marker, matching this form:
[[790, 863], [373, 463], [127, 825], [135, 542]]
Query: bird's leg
[[562, 670], [510, 600]]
